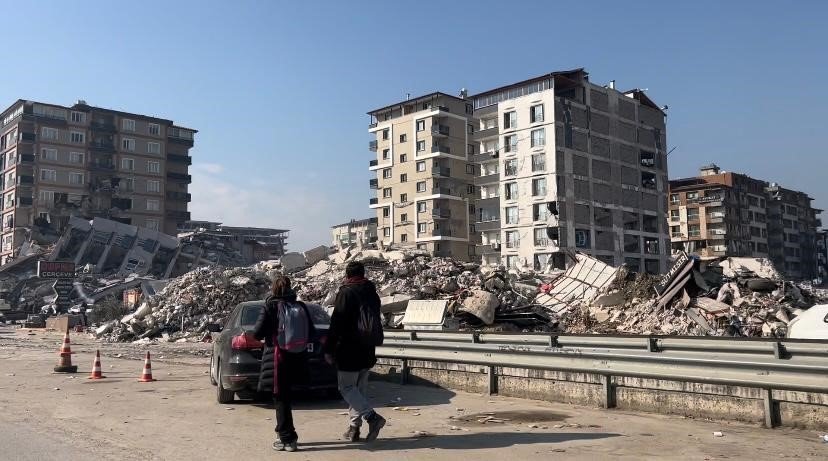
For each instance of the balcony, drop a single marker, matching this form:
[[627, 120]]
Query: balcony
[[101, 166], [180, 196], [437, 149], [373, 201], [25, 201], [102, 146], [440, 213], [177, 158], [443, 108], [178, 215], [180, 177], [489, 249], [372, 125], [180, 136], [372, 146], [374, 162], [27, 137], [485, 133], [442, 233], [513, 244], [103, 126], [441, 171], [373, 183], [483, 157], [27, 158], [439, 130], [490, 225], [443, 191], [489, 178]]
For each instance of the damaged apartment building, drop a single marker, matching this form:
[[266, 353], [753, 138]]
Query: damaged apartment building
[[545, 166], [84, 161], [721, 213]]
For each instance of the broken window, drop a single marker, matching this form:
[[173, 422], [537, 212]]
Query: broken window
[[542, 211], [648, 180], [631, 221], [647, 159], [553, 234], [582, 239], [651, 245], [650, 223]]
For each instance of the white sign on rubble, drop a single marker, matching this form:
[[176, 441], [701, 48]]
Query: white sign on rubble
[[582, 282], [424, 314]]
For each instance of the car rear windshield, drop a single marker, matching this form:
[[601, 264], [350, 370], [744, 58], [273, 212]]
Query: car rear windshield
[[249, 316]]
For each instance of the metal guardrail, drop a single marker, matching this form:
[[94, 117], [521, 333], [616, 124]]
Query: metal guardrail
[[766, 364]]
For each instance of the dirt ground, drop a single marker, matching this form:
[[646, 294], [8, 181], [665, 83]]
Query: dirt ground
[[57, 416]]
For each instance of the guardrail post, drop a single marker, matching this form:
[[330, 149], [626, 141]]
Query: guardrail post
[[404, 370], [412, 336], [652, 345], [772, 416], [491, 373], [779, 351], [476, 337], [553, 341], [609, 391]]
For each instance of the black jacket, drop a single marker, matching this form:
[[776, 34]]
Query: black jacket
[[266, 329], [343, 335]]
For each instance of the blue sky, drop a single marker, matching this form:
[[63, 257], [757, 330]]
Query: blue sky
[[279, 90]]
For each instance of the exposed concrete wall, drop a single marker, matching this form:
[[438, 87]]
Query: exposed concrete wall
[[796, 409]]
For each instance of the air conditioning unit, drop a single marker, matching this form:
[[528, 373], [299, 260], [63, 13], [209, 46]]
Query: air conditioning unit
[[496, 246]]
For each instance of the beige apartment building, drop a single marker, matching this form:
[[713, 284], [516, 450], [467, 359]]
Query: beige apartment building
[[85, 161], [354, 232], [721, 213], [424, 180]]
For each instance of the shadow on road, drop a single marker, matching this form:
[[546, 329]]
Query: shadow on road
[[457, 441]]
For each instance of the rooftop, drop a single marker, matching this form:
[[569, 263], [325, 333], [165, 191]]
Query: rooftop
[[355, 222], [423, 98]]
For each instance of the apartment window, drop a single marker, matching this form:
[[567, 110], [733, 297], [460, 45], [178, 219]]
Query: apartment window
[[512, 239], [539, 187], [403, 237], [386, 173], [420, 125], [510, 167], [421, 166], [674, 215], [151, 224], [470, 129], [421, 228], [582, 238], [539, 137], [403, 198], [43, 215], [154, 129], [510, 120], [128, 144], [385, 134], [469, 168], [386, 193], [540, 211], [536, 113], [762, 203], [78, 117], [510, 143], [420, 146], [421, 207], [421, 186], [511, 190], [76, 157], [403, 177], [403, 158], [541, 239], [403, 137], [674, 198], [469, 109], [470, 189], [127, 164], [49, 154], [386, 212], [152, 205], [694, 230], [153, 148], [77, 137], [675, 231], [47, 196], [692, 214], [489, 123], [511, 215], [128, 125], [386, 232], [538, 162], [48, 175], [404, 217], [153, 186], [127, 184], [422, 246], [153, 167], [692, 196], [75, 178], [49, 133]]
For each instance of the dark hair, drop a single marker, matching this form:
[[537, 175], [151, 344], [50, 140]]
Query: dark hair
[[354, 269], [281, 286]]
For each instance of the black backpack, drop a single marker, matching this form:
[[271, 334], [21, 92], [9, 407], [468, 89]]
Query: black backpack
[[369, 325]]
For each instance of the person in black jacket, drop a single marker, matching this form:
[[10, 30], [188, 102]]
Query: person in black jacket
[[281, 369], [354, 359]]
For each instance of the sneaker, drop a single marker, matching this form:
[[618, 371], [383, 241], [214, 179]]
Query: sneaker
[[375, 423], [279, 446], [291, 447], [352, 434]]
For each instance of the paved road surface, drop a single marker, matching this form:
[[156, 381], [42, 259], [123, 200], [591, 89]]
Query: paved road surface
[[47, 416]]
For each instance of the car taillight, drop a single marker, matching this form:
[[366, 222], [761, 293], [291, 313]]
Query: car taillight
[[244, 342]]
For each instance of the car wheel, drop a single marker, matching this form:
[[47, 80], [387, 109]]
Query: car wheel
[[222, 394], [212, 376]]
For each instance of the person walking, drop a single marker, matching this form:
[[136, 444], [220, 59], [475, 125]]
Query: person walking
[[354, 333], [286, 327]]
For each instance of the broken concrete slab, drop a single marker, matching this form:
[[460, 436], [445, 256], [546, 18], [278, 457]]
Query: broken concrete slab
[[394, 303], [292, 261], [712, 306], [482, 305], [314, 255]]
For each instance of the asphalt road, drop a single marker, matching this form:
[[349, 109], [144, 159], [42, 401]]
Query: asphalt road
[[46, 416]]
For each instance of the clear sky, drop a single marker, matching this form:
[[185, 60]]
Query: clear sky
[[279, 90]]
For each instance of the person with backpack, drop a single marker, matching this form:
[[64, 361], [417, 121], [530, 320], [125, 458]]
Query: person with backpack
[[286, 326], [354, 334]]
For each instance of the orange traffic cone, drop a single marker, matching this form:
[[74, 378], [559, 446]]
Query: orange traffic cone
[[146, 376], [65, 363], [96, 367]]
